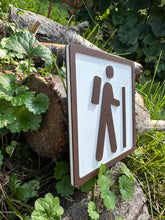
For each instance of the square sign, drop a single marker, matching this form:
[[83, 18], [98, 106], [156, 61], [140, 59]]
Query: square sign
[[101, 110]]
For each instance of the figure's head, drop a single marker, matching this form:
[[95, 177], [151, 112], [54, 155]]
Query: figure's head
[[109, 71]]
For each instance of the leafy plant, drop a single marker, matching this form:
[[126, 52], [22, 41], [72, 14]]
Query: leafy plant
[[63, 185], [126, 187], [25, 42], [26, 191], [92, 210], [47, 208], [19, 108], [132, 29]]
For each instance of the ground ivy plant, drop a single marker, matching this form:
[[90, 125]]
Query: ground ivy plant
[[20, 109], [126, 186]]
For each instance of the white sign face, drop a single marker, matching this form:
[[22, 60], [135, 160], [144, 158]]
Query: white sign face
[[101, 110]]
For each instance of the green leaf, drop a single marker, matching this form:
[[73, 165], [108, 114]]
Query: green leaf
[[126, 171], [26, 191], [7, 86], [25, 120], [120, 47], [9, 149], [127, 187], [86, 187], [47, 208], [29, 190], [38, 104], [44, 53], [14, 184], [102, 170], [152, 50], [158, 27], [22, 42], [1, 159], [21, 96], [64, 188], [61, 169], [128, 35], [25, 42], [149, 39], [92, 211], [7, 117], [110, 200]]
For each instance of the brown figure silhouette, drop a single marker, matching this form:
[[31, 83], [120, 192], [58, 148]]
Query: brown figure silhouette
[[106, 112]]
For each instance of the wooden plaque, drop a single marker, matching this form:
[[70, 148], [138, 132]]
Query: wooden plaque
[[101, 110]]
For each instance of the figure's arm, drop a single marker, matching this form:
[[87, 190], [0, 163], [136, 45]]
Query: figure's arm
[[115, 102], [96, 90]]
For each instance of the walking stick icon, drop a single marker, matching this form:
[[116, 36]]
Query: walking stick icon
[[106, 112]]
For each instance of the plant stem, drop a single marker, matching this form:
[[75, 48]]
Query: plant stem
[[17, 213], [59, 72], [29, 64], [94, 192]]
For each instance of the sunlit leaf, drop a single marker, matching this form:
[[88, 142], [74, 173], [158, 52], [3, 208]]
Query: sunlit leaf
[[92, 211], [38, 104], [110, 200], [127, 187], [47, 208]]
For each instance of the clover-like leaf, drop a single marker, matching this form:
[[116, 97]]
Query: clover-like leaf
[[127, 187], [110, 200], [64, 188], [38, 104], [92, 211], [61, 169]]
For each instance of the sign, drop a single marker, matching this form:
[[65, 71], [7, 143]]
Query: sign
[[100, 109]]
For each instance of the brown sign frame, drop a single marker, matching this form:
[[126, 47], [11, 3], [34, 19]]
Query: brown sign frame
[[71, 51]]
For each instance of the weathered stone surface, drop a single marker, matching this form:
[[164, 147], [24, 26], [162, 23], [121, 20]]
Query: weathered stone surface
[[135, 209]]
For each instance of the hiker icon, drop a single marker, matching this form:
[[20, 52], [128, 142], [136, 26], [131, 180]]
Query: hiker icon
[[106, 117]]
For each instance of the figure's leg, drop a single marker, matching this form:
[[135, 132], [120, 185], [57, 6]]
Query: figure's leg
[[101, 133]]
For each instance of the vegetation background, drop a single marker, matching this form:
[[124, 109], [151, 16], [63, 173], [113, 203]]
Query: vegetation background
[[130, 28]]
